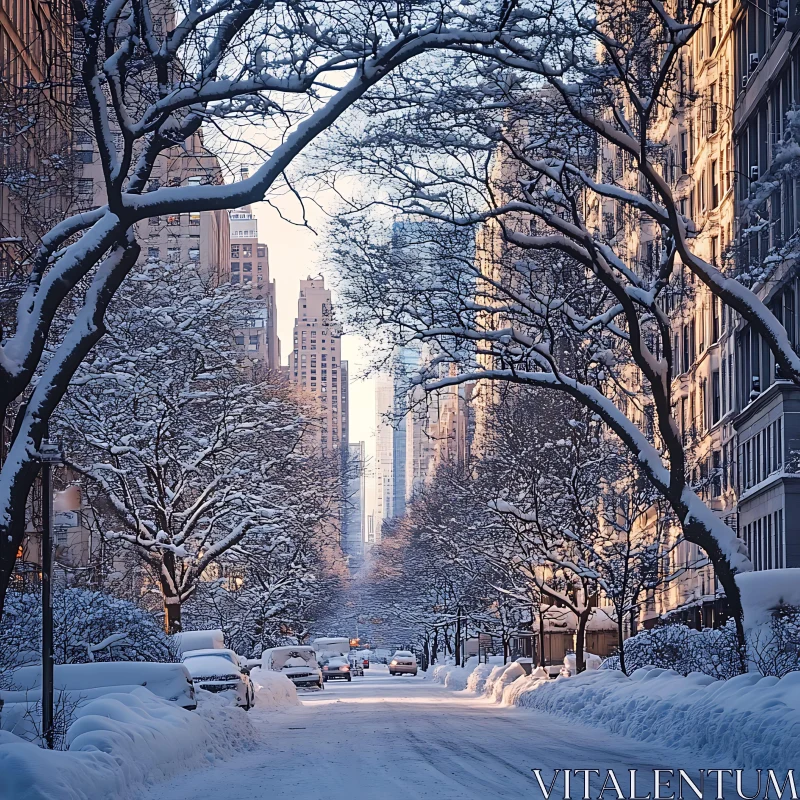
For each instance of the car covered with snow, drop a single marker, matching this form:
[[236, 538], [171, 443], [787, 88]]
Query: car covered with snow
[[297, 662], [172, 682], [336, 667], [219, 671], [212, 639], [403, 662]]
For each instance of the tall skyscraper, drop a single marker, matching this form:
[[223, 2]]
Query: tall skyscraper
[[391, 407], [354, 521], [249, 266], [315, 364]]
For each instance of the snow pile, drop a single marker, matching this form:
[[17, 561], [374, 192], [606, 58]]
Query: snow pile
[[119, 741], [451, 676], [500, 677], [590, 660], [477, 679], [273, 690], [749, 720], [765, 592]]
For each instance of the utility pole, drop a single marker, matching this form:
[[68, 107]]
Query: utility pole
[[50, 456]]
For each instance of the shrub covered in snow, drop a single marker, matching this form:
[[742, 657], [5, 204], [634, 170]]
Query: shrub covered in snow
[[773, 649], [88, 626], [683, 649]]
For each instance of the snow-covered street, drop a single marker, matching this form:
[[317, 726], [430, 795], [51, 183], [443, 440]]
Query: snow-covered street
[[406, 737]]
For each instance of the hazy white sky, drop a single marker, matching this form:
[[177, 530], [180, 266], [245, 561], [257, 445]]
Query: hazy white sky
[[293, 254]]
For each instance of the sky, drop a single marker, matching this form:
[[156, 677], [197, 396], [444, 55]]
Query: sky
[[293, 255]]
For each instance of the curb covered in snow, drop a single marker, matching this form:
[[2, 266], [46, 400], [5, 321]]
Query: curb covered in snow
[[753, 720]]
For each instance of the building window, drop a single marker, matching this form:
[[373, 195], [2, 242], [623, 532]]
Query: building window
[[85, 156], [83, 137], [716, 398], [173, 254], [194, 254], [714, 186], [234, 251], [84, 186], [173, 219], [153, 252], [238, 339], [261, 250], [194, 219], [247, 250], [234, 266], [154, 221], [234, 279], [247, 266]]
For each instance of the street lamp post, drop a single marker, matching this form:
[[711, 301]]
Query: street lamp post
[[50, 456]]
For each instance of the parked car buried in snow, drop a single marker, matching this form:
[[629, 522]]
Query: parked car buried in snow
[[336, 667], [171, 682], [403, 662], [219, 671], [297, 662]]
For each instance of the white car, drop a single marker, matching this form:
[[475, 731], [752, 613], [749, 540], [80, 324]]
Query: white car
[[297, 662], [219, 671], [403, 662]]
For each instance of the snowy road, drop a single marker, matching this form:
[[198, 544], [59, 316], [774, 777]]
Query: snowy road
[[400, 738]]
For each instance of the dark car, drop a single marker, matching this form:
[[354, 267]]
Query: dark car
[[336, 667]]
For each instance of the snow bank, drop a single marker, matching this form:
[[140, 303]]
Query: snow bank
[[119, 741], [500, 677], [748, 720], [450, 675], [273, 690], [763, 592]]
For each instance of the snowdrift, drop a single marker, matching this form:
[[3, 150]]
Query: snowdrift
[[750, 721], [119, 741], [273, 690]]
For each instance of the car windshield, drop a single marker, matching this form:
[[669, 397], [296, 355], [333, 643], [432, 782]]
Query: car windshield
[[296, 661], [210, 667], [226, 654], [403, 654], [336, 661]]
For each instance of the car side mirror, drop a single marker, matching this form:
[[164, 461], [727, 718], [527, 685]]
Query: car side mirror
[[245, 670]]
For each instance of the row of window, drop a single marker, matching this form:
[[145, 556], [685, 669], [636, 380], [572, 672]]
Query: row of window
[[173, 253], [761, 455], [766, 541]]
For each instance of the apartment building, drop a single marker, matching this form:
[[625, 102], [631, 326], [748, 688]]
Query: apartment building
[[315, 364], [767, 421], [36, 166]]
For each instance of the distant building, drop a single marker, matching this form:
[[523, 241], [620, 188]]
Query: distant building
[[354, 519], [249, 266], [315, 364]]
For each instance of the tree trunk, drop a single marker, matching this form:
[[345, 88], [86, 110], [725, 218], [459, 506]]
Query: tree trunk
[[435, 648], [172, 615], [621, 644], [506, 649], [580, 638], [458, 639], [542, 658]]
